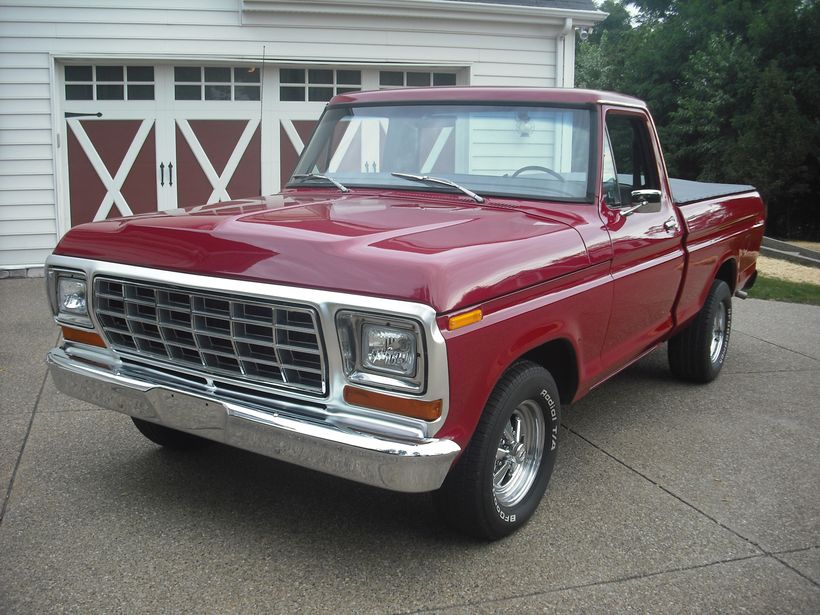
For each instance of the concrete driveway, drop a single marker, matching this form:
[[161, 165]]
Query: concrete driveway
[[667, 498]]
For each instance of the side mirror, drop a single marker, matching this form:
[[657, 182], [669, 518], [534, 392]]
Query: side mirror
[[639, 199], [646, 196]]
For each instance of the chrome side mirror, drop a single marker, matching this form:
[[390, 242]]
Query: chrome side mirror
[[641, 198], [646, 196]]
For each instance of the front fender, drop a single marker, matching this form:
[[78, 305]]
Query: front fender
[[574, 308]]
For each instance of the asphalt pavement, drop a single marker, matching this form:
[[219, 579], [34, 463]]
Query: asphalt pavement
[[667, 498]]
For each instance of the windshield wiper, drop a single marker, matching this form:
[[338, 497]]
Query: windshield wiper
[[426, 179], [339, 185]]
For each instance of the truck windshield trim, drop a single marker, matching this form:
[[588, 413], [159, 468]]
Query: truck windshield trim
[[531, 151]]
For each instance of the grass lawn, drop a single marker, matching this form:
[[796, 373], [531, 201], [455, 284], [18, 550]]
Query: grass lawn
[[783, 290]]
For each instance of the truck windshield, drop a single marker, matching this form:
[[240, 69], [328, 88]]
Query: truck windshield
[[493, 150]]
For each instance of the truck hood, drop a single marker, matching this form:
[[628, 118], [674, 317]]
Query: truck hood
[[441, 250]]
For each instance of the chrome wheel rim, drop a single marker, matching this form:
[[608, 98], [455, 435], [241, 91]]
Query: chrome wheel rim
[[519, 453], [718, 332]]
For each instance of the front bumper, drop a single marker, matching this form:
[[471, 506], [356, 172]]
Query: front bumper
[[390, 464]]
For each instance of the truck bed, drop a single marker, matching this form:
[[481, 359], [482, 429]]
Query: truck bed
[[685, 191]]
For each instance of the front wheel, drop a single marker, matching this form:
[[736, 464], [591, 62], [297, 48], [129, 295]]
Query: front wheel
[[497, 484], [697, 353]]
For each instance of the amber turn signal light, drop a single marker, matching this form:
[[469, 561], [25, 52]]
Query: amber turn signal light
[[82, 337], [462, 320], [415, 408]]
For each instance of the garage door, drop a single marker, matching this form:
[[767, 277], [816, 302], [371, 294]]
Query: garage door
[[141, 138]]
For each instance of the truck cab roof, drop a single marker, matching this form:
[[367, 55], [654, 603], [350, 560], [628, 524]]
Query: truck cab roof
[[569, 96]]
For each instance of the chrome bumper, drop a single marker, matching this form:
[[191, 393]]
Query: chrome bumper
[[395, 465]]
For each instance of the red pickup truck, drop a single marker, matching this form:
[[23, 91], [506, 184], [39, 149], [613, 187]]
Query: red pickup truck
[[444, 271]]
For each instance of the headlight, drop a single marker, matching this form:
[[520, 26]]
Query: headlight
[[383, 352], [69, 297], [389, 350]]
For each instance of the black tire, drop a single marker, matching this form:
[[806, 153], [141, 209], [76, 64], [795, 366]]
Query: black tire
[[169, 438], [693, 355], [472, 500]]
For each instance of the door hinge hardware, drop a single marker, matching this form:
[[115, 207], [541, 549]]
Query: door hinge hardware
[[71, 114]]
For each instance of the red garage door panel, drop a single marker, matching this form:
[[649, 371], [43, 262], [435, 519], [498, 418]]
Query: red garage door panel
[[217, 160], [111, 168], [85, 189], [140, 186], [247, 179], [290, 151]]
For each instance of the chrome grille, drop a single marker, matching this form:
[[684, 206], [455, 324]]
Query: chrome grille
[[244, 338]]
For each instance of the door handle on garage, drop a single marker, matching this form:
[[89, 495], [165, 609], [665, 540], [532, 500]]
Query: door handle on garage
[[70, 114]]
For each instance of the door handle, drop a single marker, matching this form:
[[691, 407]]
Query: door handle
[[161, 173], [671, 225], [170, 173], [70, 114]]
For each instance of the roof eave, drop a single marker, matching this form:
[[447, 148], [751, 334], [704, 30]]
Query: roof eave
[[441, 9]]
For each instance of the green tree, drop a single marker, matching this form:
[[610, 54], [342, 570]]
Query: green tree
[[773, 148], [700, 133], [734, 89]]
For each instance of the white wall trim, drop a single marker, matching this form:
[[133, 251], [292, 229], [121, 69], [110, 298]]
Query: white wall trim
[[59, 166], [441, 9], [119, 58]]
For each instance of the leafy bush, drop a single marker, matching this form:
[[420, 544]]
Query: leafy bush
[[734, 88]]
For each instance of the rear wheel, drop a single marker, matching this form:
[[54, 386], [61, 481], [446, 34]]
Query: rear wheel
[[169, 438], [497, 484], [697, 353]]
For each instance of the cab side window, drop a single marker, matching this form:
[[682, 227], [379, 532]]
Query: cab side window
[[632, 156], [612, 194]]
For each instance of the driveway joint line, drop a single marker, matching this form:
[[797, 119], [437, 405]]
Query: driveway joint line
[[625, 579], [790, 551], [67, 410], [795, 570], [23, 445], [772, 371], [760, 339], [672, 493]]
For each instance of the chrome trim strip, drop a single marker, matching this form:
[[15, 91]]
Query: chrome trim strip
[[390, 464], [327, 304], [710, 240], [643, 266]]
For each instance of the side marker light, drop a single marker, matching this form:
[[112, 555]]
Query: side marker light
[[462, 320]]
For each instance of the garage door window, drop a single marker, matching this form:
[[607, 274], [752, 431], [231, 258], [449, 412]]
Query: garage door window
[[106, 82], [217, 83], [392, 79], [317, 84]]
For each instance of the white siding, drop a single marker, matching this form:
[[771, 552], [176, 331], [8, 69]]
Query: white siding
[[28, 228], [34, 35]]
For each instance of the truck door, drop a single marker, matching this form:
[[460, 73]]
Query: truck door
[[648, 257]]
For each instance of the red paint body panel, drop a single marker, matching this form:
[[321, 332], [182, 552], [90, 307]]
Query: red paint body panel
[[646, 256], [719, 230], [611, 287], [559, 96], [574, 308], [440, 250]]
